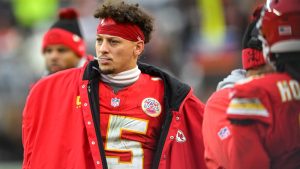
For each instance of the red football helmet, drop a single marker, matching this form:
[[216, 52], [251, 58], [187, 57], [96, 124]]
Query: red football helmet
[[280, 26]]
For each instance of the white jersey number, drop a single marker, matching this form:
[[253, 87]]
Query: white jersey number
[[114, 142]]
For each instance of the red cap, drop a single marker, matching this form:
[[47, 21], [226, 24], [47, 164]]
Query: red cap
[[59, 36], [66, 31]]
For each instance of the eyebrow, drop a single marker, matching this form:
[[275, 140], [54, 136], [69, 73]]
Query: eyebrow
[[108, 37]]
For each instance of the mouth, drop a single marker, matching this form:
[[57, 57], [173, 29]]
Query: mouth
[[54, 68], [104, 60]]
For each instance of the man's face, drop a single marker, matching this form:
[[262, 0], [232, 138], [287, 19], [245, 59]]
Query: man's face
[[59, 57], [116, 54]]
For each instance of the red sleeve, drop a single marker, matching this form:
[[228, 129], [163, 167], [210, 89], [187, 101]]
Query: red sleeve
[[249, 101], [245, 148], [229, 145], [193, 110], [216, 130], [27, 132], [184, 147], [249, 113]]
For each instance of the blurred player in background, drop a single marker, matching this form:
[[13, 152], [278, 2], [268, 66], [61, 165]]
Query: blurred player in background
[[215, 124], [63, 45], [263, 113]]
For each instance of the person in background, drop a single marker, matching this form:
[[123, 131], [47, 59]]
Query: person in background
[[114, 112], [215, 123], [63, 46], [252, 57], [263, 113]]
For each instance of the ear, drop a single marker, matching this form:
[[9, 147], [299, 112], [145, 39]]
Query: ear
[[139, 48]]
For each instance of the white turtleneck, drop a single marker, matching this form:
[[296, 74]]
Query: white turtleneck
[[123, 79]]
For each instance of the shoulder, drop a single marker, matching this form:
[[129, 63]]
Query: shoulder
[[169, 80], [218, 101], [151, 79], [258, 86], [192, 104], [254, 97], [59, 79], [261, 80], [222, 94]]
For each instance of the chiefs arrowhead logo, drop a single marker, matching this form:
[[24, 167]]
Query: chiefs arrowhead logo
[[180, 138]]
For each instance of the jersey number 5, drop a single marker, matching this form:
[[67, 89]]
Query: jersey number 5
[[115, 143]]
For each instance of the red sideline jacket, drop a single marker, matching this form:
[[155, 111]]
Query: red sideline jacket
[[61, 132]]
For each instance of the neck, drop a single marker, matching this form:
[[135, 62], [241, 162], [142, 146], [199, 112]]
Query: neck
[[122, 79]]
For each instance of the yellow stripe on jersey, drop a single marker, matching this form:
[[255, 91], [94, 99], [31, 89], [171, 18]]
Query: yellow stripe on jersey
[[247, 107]]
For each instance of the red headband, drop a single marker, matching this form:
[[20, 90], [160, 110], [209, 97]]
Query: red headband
[[57, 36], [252, 58], [127, 31]]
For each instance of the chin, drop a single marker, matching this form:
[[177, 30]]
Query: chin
[[107, 71]]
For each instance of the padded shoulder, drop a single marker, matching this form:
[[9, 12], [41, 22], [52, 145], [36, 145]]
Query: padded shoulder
[[249, 101]]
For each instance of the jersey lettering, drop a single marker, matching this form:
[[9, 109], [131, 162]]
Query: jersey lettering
[[115, 143], [289, 90]]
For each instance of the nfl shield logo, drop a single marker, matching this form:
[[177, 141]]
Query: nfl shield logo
[[224, 133], [115, 102]]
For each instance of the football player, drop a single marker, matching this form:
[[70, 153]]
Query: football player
[[115, 112], [263, 129]]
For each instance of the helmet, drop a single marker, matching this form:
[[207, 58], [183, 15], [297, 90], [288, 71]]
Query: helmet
[[280, 26]]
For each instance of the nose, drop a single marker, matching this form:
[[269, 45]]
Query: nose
[[54, 55], [103, 47]]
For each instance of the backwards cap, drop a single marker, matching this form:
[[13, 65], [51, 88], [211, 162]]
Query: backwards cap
[[66, 31], [252, 55]]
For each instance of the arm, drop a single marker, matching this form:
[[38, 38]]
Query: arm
[[232, 144], [250, 116], [194, 110], [27, 134], [183, 147], [215, 130], [29, 125], [190, 153], [245, 147]]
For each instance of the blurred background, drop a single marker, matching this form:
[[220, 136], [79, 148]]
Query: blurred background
[[197, 41]]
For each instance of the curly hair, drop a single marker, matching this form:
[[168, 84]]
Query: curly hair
[[122, 12]]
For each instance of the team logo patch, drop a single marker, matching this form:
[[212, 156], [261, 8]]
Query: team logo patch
[[151, 107], [224, 133], [115, 102], [78, 102], [180, 138]]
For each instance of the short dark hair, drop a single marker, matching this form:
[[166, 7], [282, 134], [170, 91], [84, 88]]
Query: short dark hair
[[122, 12]]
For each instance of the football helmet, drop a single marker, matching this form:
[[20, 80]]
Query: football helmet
[[280, 26]]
